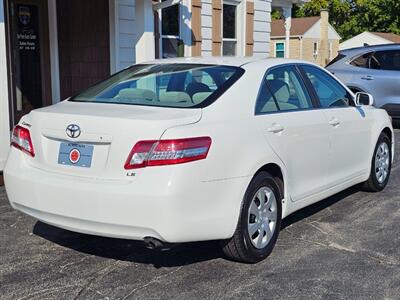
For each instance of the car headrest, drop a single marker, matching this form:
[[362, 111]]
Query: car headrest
[[280, 90], [196, 87], [174, 97], [200, 97], [140, 94]]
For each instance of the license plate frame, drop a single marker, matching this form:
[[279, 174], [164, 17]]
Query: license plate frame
[[75, 154]]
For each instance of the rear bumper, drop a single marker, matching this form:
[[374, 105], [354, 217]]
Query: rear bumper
[[175, 206], [393, 110]]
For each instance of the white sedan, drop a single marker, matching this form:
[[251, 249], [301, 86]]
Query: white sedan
[[196, 149]]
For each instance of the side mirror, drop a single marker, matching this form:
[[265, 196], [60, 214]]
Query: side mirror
[[364, 99]]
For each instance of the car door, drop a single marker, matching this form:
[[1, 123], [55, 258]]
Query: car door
[[295, 130], [383, 77], [349, 127]]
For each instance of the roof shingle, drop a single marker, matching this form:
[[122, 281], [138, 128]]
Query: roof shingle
[[395, 38], [299, 26]]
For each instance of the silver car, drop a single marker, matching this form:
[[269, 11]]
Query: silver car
[[374, 70]]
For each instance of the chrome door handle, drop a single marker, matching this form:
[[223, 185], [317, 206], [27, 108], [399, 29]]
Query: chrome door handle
[[275, 128], [367, 77], [334, 122]]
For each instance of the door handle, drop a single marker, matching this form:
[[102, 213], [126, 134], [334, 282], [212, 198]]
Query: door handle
[[275, 128], [367, 77], [334, 122]]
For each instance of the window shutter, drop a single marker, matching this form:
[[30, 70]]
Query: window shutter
[[249, 28], [156, 31], [196, 27], [216, 27]]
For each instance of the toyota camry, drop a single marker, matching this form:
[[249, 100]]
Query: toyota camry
[[195, 149]]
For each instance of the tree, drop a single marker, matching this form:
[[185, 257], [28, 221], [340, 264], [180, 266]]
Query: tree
[[351, 17]]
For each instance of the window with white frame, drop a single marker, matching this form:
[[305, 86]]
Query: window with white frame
[[229, 28], [171, 44], [315, 50], [280, 49]]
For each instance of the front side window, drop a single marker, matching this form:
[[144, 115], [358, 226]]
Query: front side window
[[282, 90], [280, 50], [386, 60], [229, 32], [164, 85], [328, 90]]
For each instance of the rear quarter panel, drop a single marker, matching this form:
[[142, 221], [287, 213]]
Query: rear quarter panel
[[238, 148]]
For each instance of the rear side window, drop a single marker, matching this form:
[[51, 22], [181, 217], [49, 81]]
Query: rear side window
[[330, 92], [362, 61], [265, 101], [164, 85], [282, 90]]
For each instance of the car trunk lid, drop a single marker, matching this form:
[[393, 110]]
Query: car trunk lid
[[107, 134]]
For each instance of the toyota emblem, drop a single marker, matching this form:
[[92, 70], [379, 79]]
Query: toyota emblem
[[73, 131]]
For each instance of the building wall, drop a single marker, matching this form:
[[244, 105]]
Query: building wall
[[262, 27], [125, 36], [4, 117], [304, 48], [295, 47], [308, 49], [335, 49]]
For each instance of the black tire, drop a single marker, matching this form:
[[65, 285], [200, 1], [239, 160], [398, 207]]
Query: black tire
[[240, 247], [372, 184]]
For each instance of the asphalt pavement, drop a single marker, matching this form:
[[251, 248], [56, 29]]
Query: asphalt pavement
[[344, 247]]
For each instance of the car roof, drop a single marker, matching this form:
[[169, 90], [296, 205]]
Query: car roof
[[228, 61], [371, 48]]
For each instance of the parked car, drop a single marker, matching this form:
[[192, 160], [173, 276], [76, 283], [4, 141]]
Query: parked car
[[184, 150], [372, 69]]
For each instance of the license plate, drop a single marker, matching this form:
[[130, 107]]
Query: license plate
[[78, 155]]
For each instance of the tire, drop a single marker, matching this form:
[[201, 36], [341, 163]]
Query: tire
[[376, 183], [248, 248]]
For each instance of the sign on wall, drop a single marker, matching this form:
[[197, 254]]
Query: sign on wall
[[27, 30]]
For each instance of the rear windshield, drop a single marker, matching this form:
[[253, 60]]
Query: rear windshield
[[337, 58], [165, 85]]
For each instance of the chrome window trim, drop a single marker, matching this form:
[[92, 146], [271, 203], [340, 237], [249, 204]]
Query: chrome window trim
[[303, 109]]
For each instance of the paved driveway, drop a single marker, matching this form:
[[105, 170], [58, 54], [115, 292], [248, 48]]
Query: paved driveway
[[345, 247]]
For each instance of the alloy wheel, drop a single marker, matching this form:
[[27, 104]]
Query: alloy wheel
[[262, 216], [382, 162]]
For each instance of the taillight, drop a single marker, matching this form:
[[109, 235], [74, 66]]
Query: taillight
[[21, 139], [167, 152]]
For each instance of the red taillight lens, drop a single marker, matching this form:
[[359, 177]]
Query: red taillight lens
[[21, 139], [167, 152]]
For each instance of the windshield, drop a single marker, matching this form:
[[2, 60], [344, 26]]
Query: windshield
[[165, 85]]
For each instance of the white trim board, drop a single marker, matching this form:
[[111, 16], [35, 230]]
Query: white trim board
[[114, 35], [54, 57], [4, 109]]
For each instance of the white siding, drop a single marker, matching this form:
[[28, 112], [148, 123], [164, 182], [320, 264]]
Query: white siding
[[4, 118], [262, 27], [315, 32], [126, 33], [206, 27]]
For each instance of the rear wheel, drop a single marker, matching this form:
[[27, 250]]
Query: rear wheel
[[259, 221], [381, 165]]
